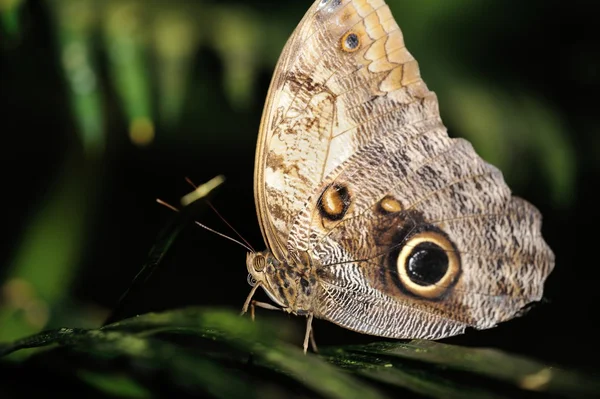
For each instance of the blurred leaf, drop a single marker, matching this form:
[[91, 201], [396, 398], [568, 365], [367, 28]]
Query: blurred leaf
[[202, 190], [199, 364], [75, 22], [516, 371], [217, 352], [405, 377], [42, 270], [126, 41], [506, 130], [115, 385], [548, 142], [237, 37], [479, 113], [9, 15], [176, 38]]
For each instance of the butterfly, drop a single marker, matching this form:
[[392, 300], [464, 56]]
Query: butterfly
[[373, 217]]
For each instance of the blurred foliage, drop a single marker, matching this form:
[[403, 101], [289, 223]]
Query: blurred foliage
[[150, 48], [215, 353], [9, 12], [47, 259], [141, 64]]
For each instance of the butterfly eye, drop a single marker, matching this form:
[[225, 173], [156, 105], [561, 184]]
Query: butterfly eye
[[259, 263], [428, 264], [350, 42]]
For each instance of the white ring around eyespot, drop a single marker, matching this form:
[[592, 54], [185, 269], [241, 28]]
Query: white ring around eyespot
[[435, 290]]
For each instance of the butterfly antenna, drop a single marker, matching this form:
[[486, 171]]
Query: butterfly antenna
[[163, 203], [247, 246], [171, 207]]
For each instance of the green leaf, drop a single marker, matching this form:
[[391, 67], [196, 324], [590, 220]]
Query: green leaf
[[126, 41], [512, 371], [175, 39], [116, 385], [75, 22], [10, 16], [49, 251], [217, 352], [200, 367]]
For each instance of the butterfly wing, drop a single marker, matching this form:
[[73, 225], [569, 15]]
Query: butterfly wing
[[410, 232], [309, 124]]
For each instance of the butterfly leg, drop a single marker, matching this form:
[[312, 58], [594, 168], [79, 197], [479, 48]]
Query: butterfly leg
[[263, 305], [309, 335], [249, 299], [313, 343]]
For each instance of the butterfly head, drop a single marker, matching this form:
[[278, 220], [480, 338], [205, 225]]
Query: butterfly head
[[261, 270]]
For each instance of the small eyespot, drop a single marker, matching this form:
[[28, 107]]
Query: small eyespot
[[428, 264], [331, 3], [334, 202], [251, 280], [389, 205], [350, 42]]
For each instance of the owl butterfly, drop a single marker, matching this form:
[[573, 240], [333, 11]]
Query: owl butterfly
[[374, 219]]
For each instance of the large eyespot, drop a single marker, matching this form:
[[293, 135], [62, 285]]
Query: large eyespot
[[428, 264], [334, 202], [350, 42]]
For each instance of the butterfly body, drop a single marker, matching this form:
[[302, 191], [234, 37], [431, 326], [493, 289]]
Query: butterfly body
[[374, 218], [290, 286]]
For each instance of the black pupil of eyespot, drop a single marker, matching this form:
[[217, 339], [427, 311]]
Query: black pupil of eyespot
[[427, 264], [352, 41]]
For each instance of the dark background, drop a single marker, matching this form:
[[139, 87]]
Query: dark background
[[519, 79]]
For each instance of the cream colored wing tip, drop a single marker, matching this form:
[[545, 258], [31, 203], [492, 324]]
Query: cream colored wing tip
[[202, 190]]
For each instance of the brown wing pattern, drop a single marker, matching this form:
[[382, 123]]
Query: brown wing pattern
[[410, 232], [318, 110]]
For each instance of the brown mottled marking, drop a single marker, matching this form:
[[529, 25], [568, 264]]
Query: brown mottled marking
[[277, 162], [334, 202], [390, 204], [301, 81]]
